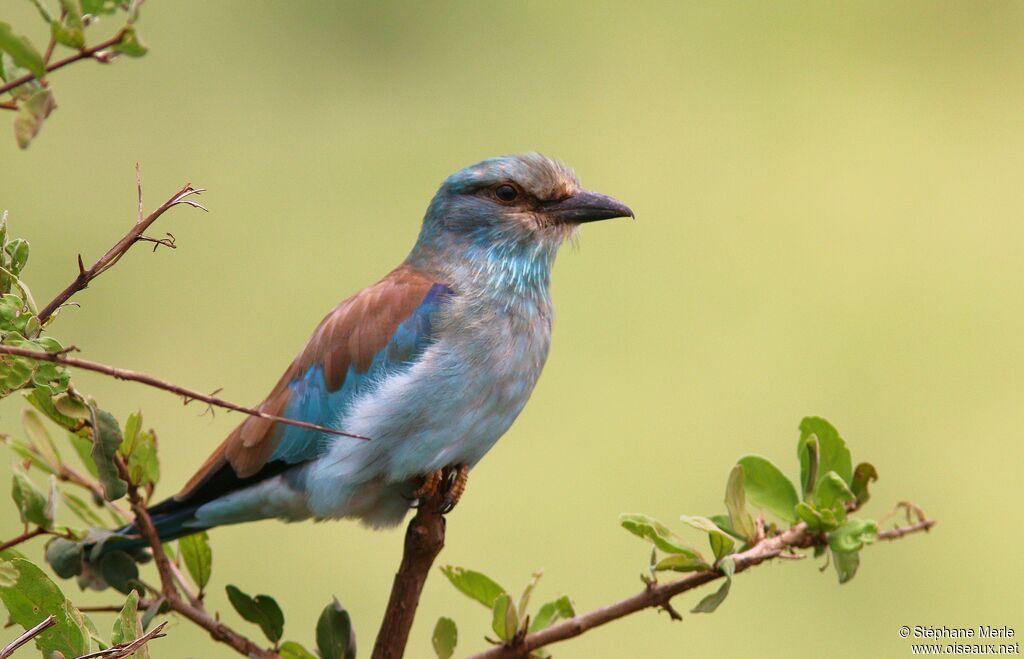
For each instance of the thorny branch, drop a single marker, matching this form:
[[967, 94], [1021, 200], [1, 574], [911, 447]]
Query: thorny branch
[[29, 634], [125, 650], [114, 254], [149, 380], [193, 610], [658, 596]]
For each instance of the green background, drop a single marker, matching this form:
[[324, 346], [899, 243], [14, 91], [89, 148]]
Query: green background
[[828, 206]]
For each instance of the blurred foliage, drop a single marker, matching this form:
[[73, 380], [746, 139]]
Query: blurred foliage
[[32, 98]]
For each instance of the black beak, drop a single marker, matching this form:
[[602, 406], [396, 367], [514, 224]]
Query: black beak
[[586, 206]]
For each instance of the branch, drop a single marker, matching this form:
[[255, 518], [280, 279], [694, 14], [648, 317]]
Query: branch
[[149, 380], [193, 611], [658, 596], [11, 647], [85, 53], [118, 250], [24, 537], [424, 539], [123, 650]]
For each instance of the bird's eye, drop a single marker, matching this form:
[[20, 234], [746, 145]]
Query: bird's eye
[[506, 193]]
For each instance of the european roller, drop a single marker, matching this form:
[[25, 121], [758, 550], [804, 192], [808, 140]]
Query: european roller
[[432, 363]]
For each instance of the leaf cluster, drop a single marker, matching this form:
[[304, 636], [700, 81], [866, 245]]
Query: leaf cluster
[[509, 618], [21, 60]]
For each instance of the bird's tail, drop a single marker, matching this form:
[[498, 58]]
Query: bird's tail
[[101, 558]]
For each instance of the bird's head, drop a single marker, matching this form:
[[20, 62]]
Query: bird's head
[[523, 200]]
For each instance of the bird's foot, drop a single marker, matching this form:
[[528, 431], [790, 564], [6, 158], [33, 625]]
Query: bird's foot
[[428, 490], [444, 486], [454, 485]]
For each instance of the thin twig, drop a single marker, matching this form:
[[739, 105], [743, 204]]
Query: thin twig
[[11, 647], [123, 650], [24, 537], [149, 380], [218, 630], [85, 53], [85, 276], [659, 595]]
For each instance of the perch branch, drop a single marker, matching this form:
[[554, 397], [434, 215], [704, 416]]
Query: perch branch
[[657, 596], [85, 276], [85, 53], [149, 380], [29, 634], [424, 539]]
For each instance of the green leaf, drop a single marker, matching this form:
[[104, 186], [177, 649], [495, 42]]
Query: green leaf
[[44, 12], [712, 601], [832, 452], [721, 543], [26, 454], [65, 557], [653, 530], [504, 620], [82, 510], [681, 563], [56, 408], [832, 494], [17, 250], [334, 636], [70, 32], [524, 599], [292, 650], [21, 51], [31, 503], [736, 504], [846, 564], [810, 515], [139, 450], [445, 638], [198, 556], [131, 432], [120, 571], [852, 536], [768, 488], [474, 585], [864, 473], [34, 597], [130, 44], [83, 447], [32, 112], [156, 608], [127, 627], [262, 610], [106, 441], [40, 438], [99, 7], [723, 522], [552, 612]]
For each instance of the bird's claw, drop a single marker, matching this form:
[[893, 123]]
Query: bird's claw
[[454, 485], [445, 485]]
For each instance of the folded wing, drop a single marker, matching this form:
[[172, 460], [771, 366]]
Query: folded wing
[[384, 327]]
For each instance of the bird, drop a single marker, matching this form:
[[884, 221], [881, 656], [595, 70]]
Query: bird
[[430, 365]]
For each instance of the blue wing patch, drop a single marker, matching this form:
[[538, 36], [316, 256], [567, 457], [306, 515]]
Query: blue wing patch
[[311, 401]]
